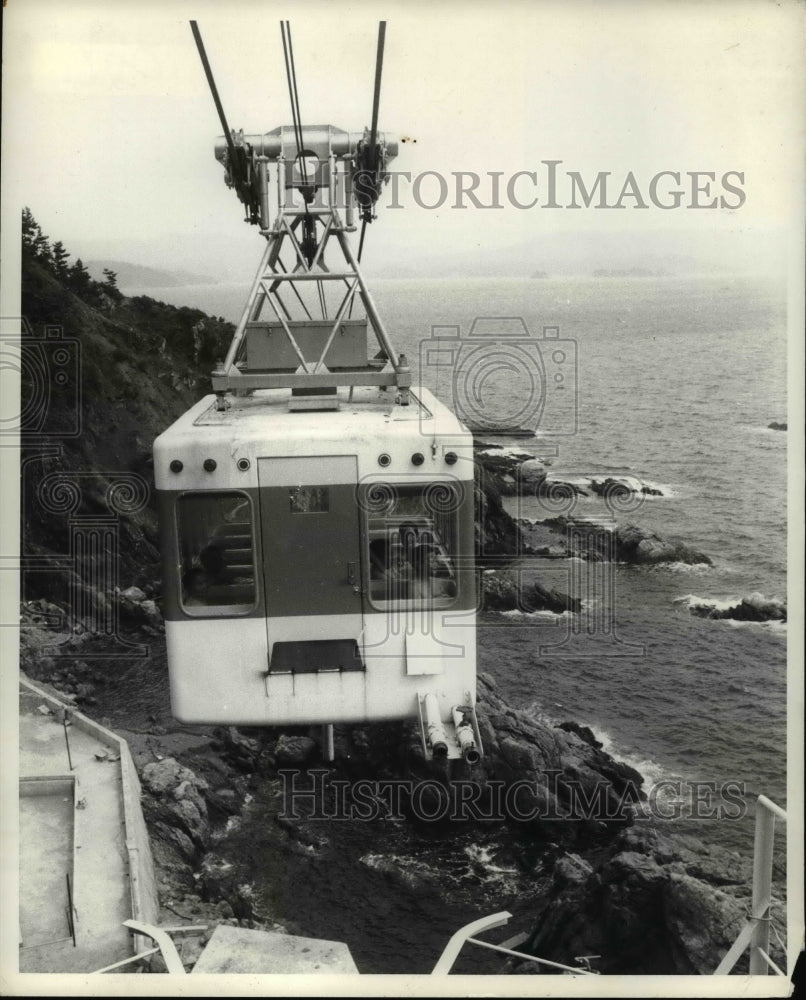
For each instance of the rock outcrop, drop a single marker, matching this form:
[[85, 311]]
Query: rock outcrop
[[627, 543], [497, 533], [642, 546], [575, 789], [644, 906], [614, 488], [754, 608], [502, 592]]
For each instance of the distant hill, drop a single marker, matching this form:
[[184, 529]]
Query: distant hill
[[139, 276], [628, 272]]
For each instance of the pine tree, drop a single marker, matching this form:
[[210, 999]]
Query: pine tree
[[78, 278], [60, 256], [30, 229], [111, 277], [34, 241], [42, 250]]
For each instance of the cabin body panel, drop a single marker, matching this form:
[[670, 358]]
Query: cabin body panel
[[213, 678], [318, 566]]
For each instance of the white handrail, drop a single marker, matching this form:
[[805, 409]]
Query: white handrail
[[756, 933], [456, 943], [465, 936]]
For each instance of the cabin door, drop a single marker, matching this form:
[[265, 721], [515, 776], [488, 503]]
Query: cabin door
[[311, 541]]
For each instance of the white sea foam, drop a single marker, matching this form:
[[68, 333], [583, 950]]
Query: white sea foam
[[515, 453], [676, 567], [650, 770], [547, 615], [634, 484], [755, 600], [719, 604], [771, 626], [483, 856]]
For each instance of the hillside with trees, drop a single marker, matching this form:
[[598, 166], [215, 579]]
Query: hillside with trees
[[102, 375]]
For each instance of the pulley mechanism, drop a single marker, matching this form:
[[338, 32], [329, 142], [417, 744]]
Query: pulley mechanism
[[295, 181]]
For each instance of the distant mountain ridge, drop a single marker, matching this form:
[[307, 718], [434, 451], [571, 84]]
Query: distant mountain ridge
[[140, 276]]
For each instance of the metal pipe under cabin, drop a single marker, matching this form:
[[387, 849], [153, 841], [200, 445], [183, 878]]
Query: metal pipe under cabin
[[436, 731], [465, 736]]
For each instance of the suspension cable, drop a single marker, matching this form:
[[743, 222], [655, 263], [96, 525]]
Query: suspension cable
[[376, 97], [291, 76]]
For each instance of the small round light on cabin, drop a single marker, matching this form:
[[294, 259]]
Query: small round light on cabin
[[384, 460], [176, 466], [451, 457], [209, 464], [418, 458], [243, 464]]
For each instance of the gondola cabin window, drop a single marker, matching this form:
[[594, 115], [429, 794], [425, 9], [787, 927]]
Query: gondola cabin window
[[216, 552], [309, 500], [413, 545]]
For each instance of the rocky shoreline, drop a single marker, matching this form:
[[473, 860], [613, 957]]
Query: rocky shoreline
[[508, 472]]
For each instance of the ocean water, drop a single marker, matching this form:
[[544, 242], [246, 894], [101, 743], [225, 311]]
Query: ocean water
[[677, 381]]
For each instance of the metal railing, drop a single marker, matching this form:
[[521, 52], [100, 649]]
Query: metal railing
[[755, 934], [465, 936]]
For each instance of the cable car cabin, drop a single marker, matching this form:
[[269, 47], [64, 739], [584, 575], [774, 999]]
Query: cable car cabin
[[319, 565], [317, 515]]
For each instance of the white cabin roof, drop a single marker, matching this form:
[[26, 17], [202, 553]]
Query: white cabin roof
[[265, 413], [261, 424]]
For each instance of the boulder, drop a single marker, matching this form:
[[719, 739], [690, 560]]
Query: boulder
[[640, 545], [192, 819], [164, 777], [703, 922], [132, 594], [295, 750], [151, 613], [503, 592], [531, 476], [571, 869], [584, 732], [755, 608]]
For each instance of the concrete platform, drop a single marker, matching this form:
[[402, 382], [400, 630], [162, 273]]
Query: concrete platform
[[47, 807], [237, 950], [79, 817]]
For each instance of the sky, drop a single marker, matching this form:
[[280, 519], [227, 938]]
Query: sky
[[108, 126]]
